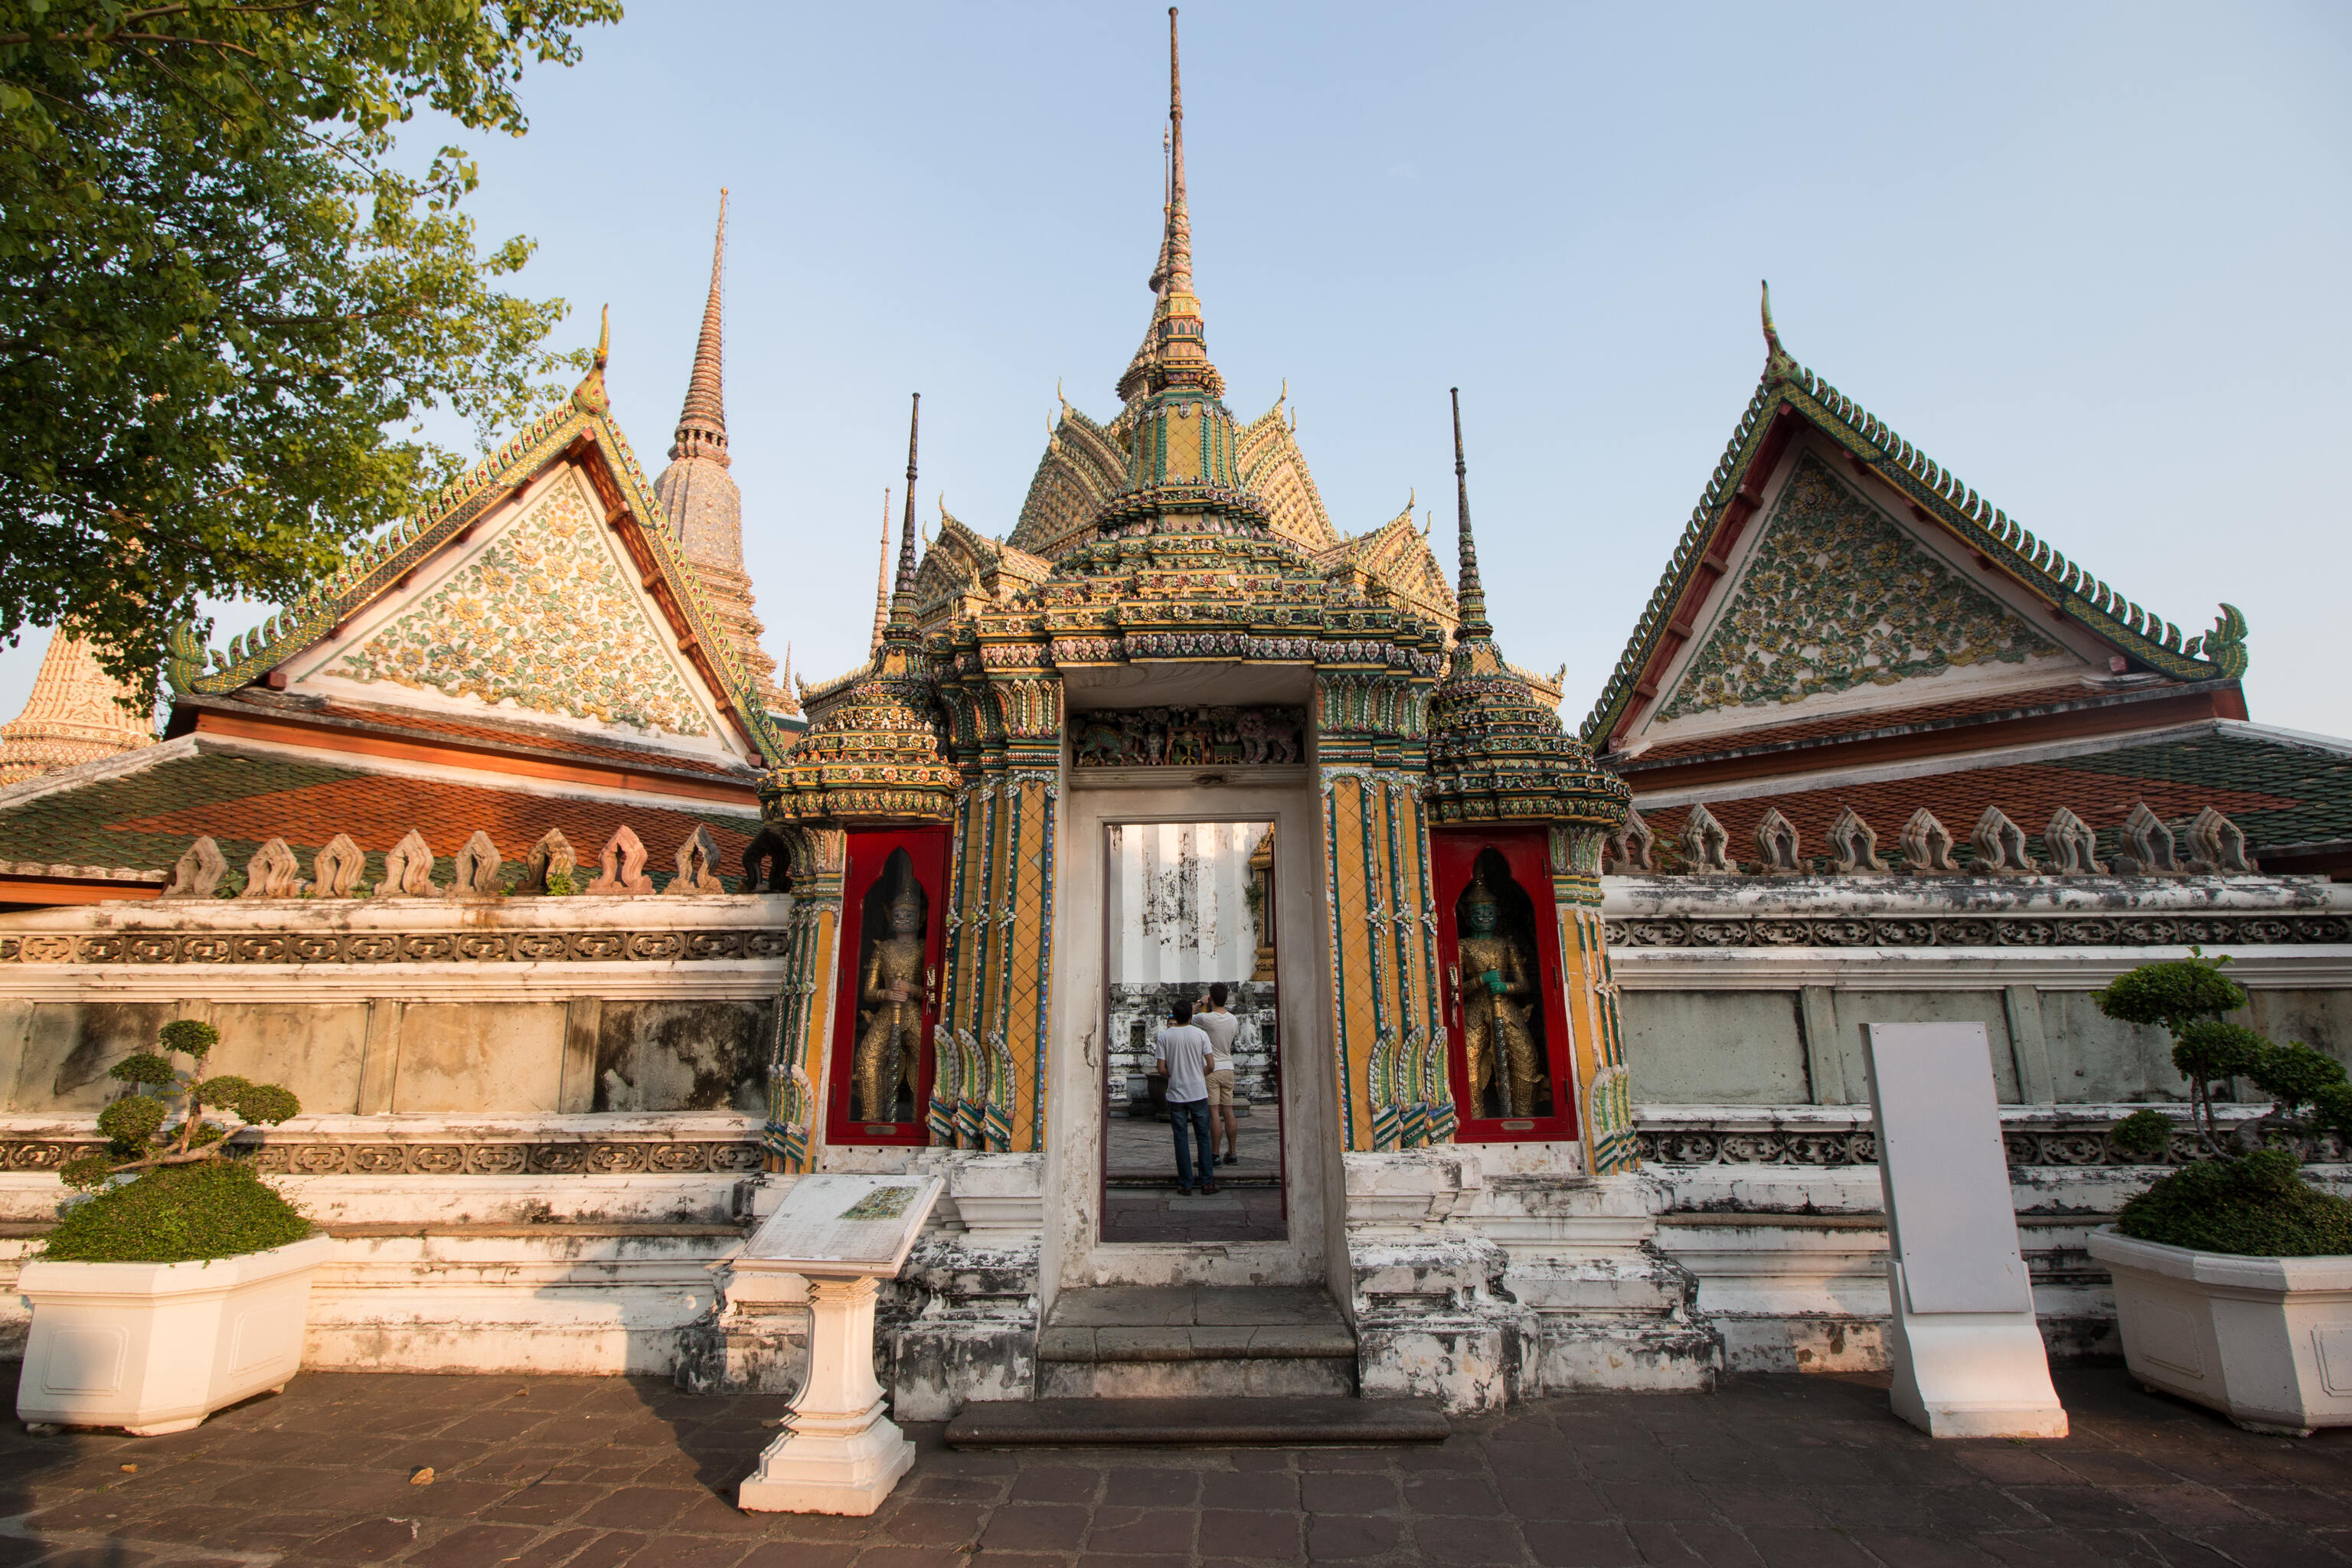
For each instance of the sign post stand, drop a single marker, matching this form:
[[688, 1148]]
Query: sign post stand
[[1967, 1354], [838, 1452]]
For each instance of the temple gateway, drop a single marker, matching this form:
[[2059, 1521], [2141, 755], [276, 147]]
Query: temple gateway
[[581, 936]]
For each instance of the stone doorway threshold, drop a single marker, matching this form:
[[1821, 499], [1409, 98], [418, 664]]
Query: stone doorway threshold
[[1179, 1342]]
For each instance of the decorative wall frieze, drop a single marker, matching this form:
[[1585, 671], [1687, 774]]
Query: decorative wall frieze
[[142, 947], [2022, 931], [586, 1157], [2065, 1142]]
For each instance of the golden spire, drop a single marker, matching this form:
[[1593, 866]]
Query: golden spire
[[882, 580], [1175, 353], [1179, 266], [1471, 594], [702, 423]]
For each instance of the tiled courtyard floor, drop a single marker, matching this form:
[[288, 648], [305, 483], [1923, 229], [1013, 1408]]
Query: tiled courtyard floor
[[1784, 1471]]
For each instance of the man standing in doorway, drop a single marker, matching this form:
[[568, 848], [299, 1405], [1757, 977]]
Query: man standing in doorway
[[1221, 1027], [1187, 1058]]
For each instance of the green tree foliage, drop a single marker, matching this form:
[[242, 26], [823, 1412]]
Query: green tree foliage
[[177, 1215], [2257, 1205], [224, 305], [2255, 1202], [2185, 997], [140, 1134]]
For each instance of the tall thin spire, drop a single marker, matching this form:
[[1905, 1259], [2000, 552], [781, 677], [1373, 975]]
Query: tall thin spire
[[882, 579], [1179, 217], [902, 593], [702, 423], [1175, 351], [1471, 594]]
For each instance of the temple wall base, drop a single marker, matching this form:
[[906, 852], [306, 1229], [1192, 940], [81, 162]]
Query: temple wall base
[[1478, 1277]]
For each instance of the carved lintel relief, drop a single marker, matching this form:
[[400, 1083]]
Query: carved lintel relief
[[1188, 737]]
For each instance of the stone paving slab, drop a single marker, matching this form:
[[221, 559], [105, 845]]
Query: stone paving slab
[[1771, 1472]]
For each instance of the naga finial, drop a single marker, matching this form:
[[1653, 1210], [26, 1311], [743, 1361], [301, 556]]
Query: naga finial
[[589, 396], [1772, 348]]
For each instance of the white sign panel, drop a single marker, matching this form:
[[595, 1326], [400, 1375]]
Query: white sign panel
[[844, 1225], [1943, 1169]]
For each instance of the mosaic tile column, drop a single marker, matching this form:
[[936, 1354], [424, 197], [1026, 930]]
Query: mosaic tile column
[[1603, 1086], [804, 1004], [1000, 932]]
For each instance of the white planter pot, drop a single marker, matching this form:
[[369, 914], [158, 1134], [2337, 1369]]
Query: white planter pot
[[2266, 1341], [157, 1347]]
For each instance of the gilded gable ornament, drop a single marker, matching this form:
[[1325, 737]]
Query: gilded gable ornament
[[543, 617], [1837, 595]]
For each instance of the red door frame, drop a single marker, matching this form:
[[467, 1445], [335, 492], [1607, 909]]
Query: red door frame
[[869, 852], [1454, 854]]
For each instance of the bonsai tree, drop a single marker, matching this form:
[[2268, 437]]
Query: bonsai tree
[[165, 1191], [2248, 1195]]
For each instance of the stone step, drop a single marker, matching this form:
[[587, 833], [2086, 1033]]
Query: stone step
[[1228, 1176], [1209, 1423], [1195, 1341]]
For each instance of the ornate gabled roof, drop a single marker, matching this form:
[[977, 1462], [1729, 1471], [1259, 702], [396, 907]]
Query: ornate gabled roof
[[580, 430], [74, 713], [1396, 558], [1084, 465], [872, 751], [1273, 469], [1788, 393], [960, 562], [1496, 751]]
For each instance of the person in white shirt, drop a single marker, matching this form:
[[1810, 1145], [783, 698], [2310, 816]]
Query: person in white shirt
[[1221, 1027], [1186, 1057]]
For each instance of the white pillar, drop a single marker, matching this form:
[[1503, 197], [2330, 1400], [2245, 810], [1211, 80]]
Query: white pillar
[[838, 1453]]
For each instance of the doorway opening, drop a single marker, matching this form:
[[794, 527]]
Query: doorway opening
[[1188, 917]]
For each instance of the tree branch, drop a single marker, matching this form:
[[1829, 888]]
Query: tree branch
[[98, 32]]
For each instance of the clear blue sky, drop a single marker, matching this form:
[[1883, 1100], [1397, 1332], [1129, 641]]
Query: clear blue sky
[[2092, 258]]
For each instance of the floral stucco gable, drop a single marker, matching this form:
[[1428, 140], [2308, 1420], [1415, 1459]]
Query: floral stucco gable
[[1838, 595], [543, 617]]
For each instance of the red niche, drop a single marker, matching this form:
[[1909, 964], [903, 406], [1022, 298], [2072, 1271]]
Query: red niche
[[1499, 974], [893, 908]]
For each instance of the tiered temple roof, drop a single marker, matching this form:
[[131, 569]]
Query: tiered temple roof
[[75, 714]]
